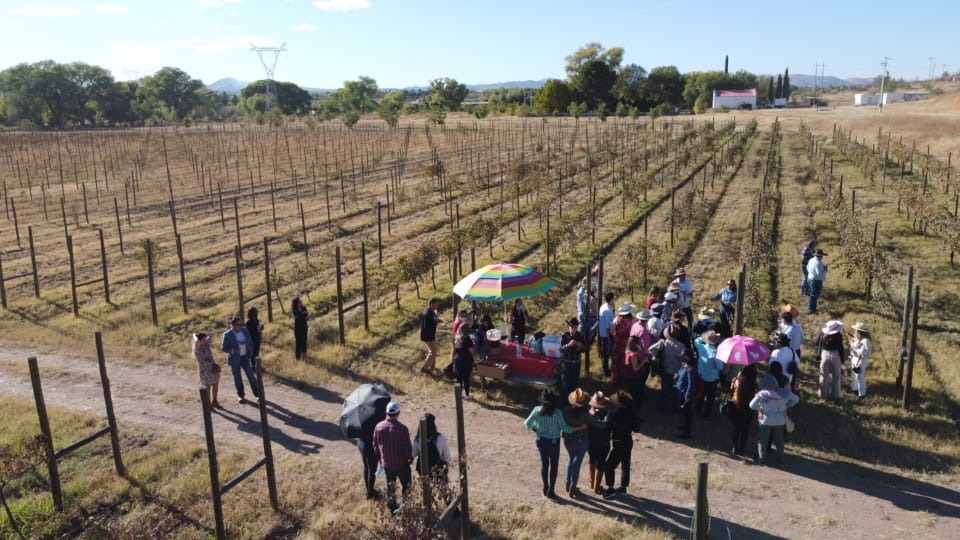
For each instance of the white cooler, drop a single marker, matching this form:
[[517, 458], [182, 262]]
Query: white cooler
[[551, 346]]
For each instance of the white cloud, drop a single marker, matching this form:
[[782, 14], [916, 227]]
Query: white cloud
[[12, 23], [305, 27], [45, 11], [217, 3], [111, 8], [341, 5]]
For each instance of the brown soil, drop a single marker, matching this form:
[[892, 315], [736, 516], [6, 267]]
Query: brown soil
[[804, 498]]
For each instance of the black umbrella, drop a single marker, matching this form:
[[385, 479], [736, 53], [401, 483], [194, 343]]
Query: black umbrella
[[363, 409]]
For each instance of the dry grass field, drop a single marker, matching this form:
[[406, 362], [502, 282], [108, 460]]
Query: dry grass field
[[604, 188]]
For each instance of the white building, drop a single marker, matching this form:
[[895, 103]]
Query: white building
[[915, 95], [866, 99], [732, 99]]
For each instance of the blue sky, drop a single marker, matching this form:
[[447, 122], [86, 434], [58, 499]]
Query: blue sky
[[409, 42]]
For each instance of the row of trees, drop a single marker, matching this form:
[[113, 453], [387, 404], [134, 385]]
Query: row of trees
[[598, 81], [49, 94]]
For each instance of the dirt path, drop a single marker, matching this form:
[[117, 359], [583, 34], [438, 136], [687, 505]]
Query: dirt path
[[802, 499]]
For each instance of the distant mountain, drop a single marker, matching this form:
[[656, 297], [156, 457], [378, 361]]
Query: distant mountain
[[508, 84], [230, 85], [809, 81]]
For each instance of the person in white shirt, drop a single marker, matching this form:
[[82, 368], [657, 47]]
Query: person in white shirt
[[784, 355], [791, 328], [816, 274], [685, 290], [608, 311], [861, 345]]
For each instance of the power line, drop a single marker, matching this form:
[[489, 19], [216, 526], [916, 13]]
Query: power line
[[883, 77]]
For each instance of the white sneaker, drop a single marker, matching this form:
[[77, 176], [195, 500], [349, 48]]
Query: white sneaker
[[468, 397]]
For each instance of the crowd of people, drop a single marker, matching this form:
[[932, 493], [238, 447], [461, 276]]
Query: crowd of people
[[664, 340]]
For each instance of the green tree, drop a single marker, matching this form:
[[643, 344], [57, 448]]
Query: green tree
[[553, 97], [354, 99], [291, 99], [594, 82], [701, 84], [170, 93], [779, 90], [446, 94], [629, 86], [590, 52], [664, 85], [390, 106], [770, 90], [786, 83]]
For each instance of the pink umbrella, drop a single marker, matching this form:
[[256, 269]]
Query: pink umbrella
[[742, 350]]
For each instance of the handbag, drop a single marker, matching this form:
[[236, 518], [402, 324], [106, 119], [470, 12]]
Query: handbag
[[450, 371], [216, 368], [790, 425]]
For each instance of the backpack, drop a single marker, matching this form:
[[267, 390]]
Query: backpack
[[433, 455]]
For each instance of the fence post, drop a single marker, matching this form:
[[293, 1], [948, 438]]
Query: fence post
[[73, 277], [905, 327], [303, 227], [236, 256], [342, 329], [108, 403], [741, 281], [701, 512], [183, 275], [103, 258], [379, 237], [911, 355], [45, 429], [33, 263], [462, 460], [363, 282], [266, 275], [116, 213], [150, 284], [267, 449], [214, 468]]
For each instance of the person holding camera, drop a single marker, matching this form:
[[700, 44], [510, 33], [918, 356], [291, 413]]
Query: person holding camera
[[861, 345]]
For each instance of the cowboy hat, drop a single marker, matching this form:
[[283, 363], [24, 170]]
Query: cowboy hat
[[706, 313], [573, 321], [670, 296], [599, 401], [832, 327], [790, 308], [626, 308], [645, 315], [861, 326], [578, 398], [680, 272], [820, 253]]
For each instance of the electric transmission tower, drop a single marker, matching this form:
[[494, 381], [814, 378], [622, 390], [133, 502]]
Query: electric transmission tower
[[268, 57], [883, 78]]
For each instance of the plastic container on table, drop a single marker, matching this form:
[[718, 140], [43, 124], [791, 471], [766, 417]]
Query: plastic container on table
[[551, 346]]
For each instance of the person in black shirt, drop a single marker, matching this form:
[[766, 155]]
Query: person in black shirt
[[255, 327], [428, 334], [572, 343]]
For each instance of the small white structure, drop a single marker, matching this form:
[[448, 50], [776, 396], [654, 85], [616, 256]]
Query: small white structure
[[915, 95], [860, 100], [779, 103], [732, 99]]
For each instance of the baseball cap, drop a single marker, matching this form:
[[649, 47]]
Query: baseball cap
[[393, 408]]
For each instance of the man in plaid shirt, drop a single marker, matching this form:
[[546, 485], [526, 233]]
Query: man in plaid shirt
[[391, 444]]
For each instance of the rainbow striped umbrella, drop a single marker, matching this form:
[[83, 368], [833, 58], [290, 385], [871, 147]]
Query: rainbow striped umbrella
[[502, 281]]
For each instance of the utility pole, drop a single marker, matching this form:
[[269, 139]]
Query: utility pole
[[883, 78], [933, 66], [943, 69], [817, 84], [269, 66]]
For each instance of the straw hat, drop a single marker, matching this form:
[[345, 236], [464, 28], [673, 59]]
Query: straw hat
[[680, 272], [861, 326], [791, 309], [706, 313], [626, 308], [578, 398], [832, 327], [599, 401], [645, 315]]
